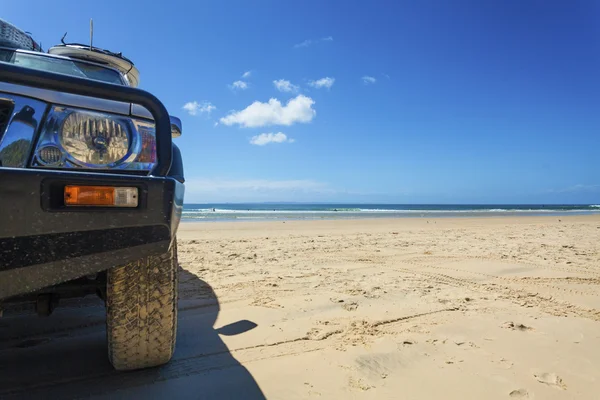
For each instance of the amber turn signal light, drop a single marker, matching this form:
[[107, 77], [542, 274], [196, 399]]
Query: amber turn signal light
[[101, 196]]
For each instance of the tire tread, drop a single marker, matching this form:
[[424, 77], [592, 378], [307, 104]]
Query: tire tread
[[141, 311]]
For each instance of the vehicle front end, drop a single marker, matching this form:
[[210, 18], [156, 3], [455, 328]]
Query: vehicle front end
[[90, 191]]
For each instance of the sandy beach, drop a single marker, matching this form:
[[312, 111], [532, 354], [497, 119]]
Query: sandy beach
[[412, 308]]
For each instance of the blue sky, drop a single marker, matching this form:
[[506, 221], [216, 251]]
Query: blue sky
[[405, 102]]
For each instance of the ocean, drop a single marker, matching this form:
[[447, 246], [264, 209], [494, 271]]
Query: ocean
[[316, 211]]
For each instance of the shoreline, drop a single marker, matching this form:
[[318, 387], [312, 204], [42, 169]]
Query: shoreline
[[398, 216], [317, 212], [412, 221]]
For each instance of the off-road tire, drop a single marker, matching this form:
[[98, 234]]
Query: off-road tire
[[141, 311]]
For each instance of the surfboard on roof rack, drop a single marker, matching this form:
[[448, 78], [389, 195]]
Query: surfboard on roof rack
[[101, 56]]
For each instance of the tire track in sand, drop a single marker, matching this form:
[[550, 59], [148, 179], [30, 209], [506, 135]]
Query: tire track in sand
[[108, 381], [520, 297], [541, 282]]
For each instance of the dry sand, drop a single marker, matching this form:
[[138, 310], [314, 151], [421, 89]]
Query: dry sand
[[471, 308]]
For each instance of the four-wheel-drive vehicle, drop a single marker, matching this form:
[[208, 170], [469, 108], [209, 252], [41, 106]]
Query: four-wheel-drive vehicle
[[91, 194]]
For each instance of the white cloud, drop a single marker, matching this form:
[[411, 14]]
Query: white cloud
[[195, 108], [299, 109], [368, 80], [239, 85], [285, 86], [246, 74], [266, 138], [322, 83], [308, 42]]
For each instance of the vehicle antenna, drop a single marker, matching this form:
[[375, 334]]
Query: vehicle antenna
[[91, 32], [62, 39]]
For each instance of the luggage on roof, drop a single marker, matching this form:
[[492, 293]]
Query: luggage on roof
[[13, 37]]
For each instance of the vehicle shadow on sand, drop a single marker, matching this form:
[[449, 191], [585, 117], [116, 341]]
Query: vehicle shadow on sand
[[64, 356]]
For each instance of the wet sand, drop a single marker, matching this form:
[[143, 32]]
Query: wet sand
[[462, 308]]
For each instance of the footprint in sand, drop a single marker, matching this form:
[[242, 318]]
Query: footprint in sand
[[359, 384], [551, 379], [516, 327], [519, 394]]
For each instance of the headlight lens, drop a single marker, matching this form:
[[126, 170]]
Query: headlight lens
[[94, 140]]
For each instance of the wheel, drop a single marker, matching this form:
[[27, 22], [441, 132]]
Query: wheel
[[141, 311]]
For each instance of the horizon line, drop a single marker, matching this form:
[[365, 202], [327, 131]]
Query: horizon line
[[397, 204]]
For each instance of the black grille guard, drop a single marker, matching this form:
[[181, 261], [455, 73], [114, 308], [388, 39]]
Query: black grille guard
[[63, 83]]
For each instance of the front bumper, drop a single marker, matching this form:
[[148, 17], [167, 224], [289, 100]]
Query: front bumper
[[43, 243]]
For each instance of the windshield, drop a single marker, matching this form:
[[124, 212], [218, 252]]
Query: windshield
[[43, 62]]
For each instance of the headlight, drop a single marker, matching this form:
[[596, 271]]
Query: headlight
[[73, 138], [94, 139]]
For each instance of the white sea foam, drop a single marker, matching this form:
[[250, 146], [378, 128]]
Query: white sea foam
[[219, 212]]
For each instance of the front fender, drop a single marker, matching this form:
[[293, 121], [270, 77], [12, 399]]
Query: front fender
[[176, 170]]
